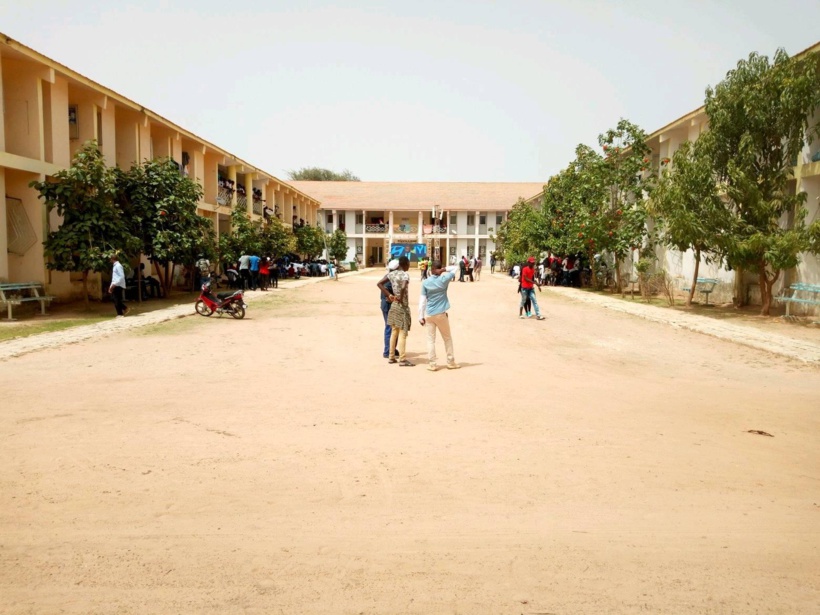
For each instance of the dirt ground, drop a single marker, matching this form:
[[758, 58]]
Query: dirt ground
[[590, 463]]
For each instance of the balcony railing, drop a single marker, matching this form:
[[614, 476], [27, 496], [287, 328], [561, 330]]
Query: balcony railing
[[242, 202], [410, 229], [375, 228], [429, 229], [224, 196], [258, 204]]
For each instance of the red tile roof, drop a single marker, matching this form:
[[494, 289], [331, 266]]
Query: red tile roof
[[418, 196]]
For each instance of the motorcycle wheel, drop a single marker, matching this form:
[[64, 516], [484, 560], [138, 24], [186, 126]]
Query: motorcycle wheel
[[202, 309], [238, 312]]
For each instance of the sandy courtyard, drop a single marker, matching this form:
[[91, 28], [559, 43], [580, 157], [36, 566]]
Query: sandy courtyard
[[590, 463]]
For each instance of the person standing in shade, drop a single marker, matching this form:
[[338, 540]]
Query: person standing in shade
[[492, 263], [528, 282], [274, 274], [245, 271], [117, 288], [254, 270], [433, 306], [399, 317], [386, 291]]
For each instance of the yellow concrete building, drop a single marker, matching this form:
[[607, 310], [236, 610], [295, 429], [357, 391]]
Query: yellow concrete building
[[49, 111]]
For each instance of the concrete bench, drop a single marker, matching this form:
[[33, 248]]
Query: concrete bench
[[16, 293], [807, 294], [704, 286]]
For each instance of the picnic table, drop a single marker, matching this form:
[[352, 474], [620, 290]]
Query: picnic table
[[16, 293], [704, 286], [807, 294]]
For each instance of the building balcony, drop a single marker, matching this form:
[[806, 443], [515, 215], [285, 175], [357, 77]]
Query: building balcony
[[430, 229], [242, 202], [224, 196], [258, 206], [375, 228], [406, 229]]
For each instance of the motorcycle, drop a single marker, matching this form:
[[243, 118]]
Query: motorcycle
[[230, 302]]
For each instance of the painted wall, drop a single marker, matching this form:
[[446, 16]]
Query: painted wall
[[22, 109]]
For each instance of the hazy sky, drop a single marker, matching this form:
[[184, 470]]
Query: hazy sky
[[448, 90]]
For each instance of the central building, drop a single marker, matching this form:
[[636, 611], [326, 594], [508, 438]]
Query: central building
[[449, 219]]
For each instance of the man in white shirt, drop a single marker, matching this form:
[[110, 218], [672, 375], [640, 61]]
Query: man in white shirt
[[117, 288]]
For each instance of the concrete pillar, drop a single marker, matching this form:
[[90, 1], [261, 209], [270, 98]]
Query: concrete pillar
[[421, 229], [232, 177], [248, 181], [335, 220], [4, 236], [60, 150], [390, 226]]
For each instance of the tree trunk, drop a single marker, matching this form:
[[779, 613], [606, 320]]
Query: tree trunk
[[694, 279], [739, 295], [139, 280], [85, 290], [618, 282], [766, 286], [168, 271]]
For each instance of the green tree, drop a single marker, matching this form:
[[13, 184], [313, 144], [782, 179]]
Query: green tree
[[624, 173], [162, 209], [310, 241], [523, 233], [316, 174], [759, 121], [337, 245], [93, 226], [243, 238], [686, 205], [275, 239]]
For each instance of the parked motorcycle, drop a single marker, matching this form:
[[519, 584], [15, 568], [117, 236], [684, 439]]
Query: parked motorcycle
[[228, 302]]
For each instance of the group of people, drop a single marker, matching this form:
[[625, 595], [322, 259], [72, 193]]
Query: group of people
[[555, 270], [432, 311]]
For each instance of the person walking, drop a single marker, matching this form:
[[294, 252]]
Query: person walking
[[244, 270], [492, 263], [433, 306], [478, 265], [462, 268], [399, 317], [386, 290], [117, 288], [528, 281]]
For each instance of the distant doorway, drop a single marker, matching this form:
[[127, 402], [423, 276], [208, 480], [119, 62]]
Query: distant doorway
[[376, 255]]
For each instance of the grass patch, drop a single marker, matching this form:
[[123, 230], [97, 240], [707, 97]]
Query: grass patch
[[18, 330]]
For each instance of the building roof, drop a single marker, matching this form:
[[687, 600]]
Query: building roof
[[417, 196], [15, 49]]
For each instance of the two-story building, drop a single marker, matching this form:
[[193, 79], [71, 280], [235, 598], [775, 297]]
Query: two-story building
[[48, 111], [450, 219]]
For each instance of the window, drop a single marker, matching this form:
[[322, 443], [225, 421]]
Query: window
[[359, 218], [330, 218], [452, 250], [482, 220], [453, 218], [499, 220], [470, 220]]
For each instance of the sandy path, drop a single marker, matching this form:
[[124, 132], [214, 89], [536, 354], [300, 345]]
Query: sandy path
[[594, 462]]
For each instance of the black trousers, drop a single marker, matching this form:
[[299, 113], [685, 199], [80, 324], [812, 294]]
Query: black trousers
[[119, 300], [246, 278]]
